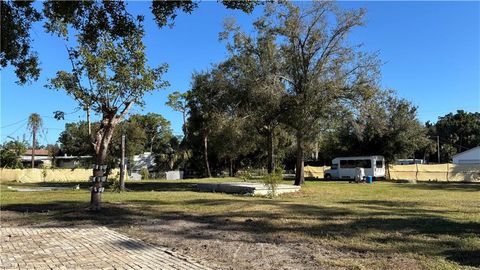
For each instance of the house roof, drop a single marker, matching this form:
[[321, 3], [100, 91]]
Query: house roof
[[469, 150], [38, 152]]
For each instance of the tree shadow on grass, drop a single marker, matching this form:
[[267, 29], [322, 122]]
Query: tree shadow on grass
[[427, 231], [161, 186], [445, 186], [71, 213], [82, 184]]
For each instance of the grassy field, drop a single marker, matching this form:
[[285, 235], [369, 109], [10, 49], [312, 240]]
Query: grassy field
[[327, 225]]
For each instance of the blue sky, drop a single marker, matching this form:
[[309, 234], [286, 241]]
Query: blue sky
[[430, 50]]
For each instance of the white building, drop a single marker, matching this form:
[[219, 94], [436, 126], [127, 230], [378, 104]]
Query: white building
[[471, 156]]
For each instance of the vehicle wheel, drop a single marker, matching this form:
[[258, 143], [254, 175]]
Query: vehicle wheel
[[328, 177]]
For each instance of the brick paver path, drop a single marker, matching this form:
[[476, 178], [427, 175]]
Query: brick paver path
[[93, 248]]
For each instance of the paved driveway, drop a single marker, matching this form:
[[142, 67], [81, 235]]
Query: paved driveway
[[93, 248]]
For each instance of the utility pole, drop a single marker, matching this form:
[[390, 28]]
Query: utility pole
[[438, 149], [122, 165]]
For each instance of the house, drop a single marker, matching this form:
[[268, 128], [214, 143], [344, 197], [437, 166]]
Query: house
[[471, 156], [44, 159], [139, 162]]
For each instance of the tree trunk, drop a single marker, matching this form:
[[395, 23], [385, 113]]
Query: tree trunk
[[270, 159], [205, 155], [122, 165], [299, 173], [103, 137], [33, 146], [184, 127], [230, 172], [88, 121]]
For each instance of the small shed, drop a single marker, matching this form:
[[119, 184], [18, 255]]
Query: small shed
[[471, 156]]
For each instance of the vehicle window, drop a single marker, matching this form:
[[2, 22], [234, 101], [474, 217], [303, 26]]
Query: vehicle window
[[367, 163], [364, 163], [348, 164], [379, 164], [334, 166]]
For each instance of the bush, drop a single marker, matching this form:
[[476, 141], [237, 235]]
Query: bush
[[271, 181], [145, 174]]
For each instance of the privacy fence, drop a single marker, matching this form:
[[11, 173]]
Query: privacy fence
[[435, 172], [48, 175], [421, 172], [315, 172]]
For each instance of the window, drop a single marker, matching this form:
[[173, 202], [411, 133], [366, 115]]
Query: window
[[364, 163], [348, 164], [334, 166], [379, 164]]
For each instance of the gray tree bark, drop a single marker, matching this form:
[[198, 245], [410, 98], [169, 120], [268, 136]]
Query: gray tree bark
[[299, 168]]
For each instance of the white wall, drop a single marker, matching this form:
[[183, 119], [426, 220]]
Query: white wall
[[471, 156]]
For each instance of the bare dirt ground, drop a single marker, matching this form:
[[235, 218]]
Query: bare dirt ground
[[238, 249]]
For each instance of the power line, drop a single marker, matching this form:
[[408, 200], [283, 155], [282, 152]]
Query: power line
[[15, 131], [15, 123]]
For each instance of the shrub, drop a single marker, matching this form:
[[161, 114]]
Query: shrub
[[271, 181], [145, 174]]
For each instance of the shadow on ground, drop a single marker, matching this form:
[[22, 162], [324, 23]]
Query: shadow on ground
[[389, 226], [474, 187]]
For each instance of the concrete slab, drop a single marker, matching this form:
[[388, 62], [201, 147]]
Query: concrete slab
[[33, 189], [246, 188]]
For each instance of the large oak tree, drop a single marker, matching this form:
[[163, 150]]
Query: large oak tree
[[324, 73]]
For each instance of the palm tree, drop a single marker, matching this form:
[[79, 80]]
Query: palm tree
[[34, 123], [173, 153]]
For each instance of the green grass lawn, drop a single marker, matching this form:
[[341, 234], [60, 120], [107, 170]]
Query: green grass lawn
[[357, 226]]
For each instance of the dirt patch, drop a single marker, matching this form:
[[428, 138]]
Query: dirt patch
[[244, 250]]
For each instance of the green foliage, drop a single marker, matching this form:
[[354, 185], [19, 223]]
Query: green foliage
[[172, 154], [34, 121], [91, 18], [458, 132], [272, 181], [157, 129], [246, 174], [178, 102], [142, 132], [386, 125], [114, 182], [109, 66], [145, 174], [165, 11], [256, 63], [16, 22], [10, 154], [75, 140], [135, 140]]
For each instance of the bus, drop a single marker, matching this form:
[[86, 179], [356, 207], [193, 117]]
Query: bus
[[344, 167]]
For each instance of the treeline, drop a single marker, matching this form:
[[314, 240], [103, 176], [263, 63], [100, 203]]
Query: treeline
[[294, 89], [238, 142]]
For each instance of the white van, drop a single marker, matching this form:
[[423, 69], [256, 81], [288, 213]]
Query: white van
[[344, 167]]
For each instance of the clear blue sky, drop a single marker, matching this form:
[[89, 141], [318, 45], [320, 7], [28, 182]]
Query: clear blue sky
[[430, 52]]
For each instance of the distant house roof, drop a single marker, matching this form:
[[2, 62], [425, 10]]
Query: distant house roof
[[38, 152], [469, 150]]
